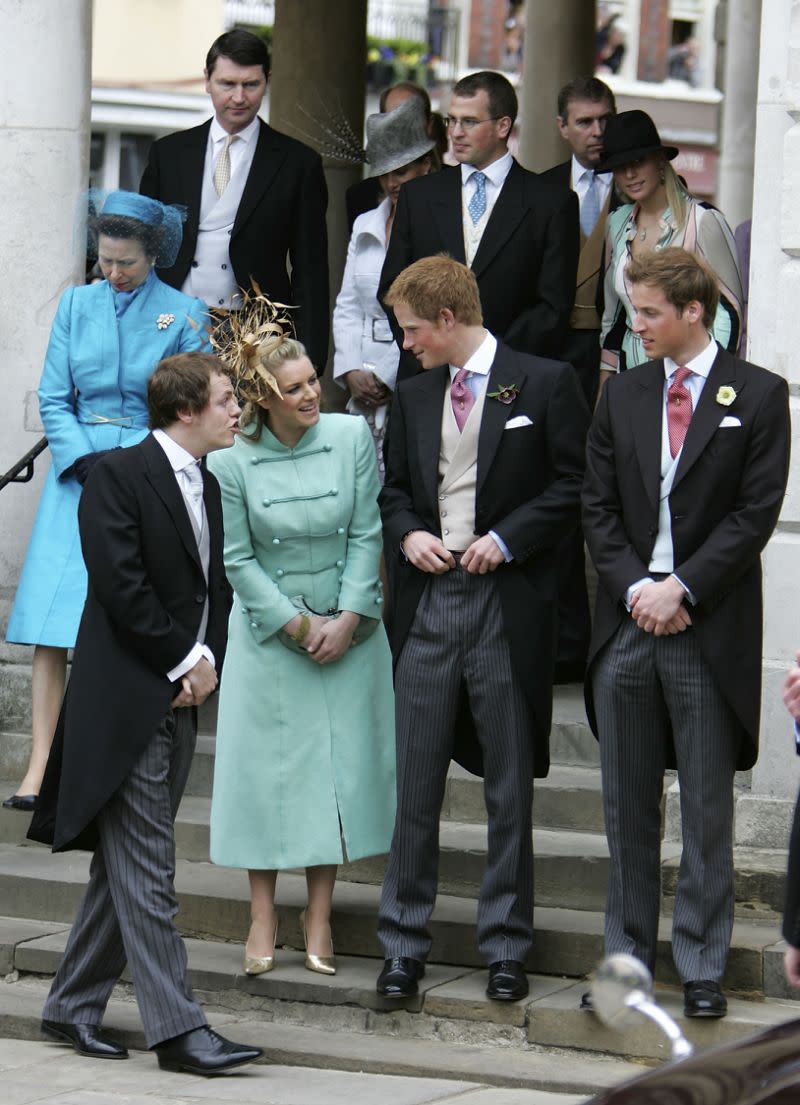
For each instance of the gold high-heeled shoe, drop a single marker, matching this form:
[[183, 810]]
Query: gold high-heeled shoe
[[322, 964], [260, 964]]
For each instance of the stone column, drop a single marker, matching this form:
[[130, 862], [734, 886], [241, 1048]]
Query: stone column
[[738, 132], [559, 45], [762, 816], [44, 135], [319, 59]]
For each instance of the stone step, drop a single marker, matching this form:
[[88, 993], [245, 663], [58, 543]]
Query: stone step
[[346, 1036], [451, 1003], [214, 904]]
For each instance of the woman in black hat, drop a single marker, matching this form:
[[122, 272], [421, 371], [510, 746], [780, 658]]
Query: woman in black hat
[[659, 213]]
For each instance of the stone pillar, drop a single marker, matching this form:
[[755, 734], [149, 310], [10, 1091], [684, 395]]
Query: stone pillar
[[737, 136], [559, 45], [762, 816], [319, 58], [653, 40], [44, 135]]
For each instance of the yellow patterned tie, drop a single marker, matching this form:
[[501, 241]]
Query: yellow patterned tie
[[222, 169]]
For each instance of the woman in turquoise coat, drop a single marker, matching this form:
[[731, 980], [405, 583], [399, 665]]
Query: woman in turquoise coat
[[305, 760], [105, 341]]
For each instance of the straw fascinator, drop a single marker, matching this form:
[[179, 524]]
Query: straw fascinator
[[396, 138], [244, 339]]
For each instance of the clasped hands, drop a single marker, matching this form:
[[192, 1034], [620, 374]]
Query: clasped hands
[[328, 638], [425, 551], [196, 685], [658, 608], [366, 388]]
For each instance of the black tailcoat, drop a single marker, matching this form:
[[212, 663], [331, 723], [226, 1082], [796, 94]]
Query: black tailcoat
[[528, 488], [281, 216], [143, 610], [725, 501], [525, 264]]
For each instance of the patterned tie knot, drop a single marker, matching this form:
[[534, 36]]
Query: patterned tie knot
[[477, 205], [679, 409], [222, 169], [461, 398]]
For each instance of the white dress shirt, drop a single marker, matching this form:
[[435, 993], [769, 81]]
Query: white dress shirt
[[180, 461], [581, 177], [662, 559], [495, 174]]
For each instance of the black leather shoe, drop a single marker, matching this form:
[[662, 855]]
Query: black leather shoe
[[507, 981], [86, 1039], [586, 1001], [24, 802], [399, 977], [204, 1051], [704, 998]]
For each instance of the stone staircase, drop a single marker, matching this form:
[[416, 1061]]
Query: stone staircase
[[450, 1028]]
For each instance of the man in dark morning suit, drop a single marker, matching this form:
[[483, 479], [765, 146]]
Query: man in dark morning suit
[[254, 197], [150, 646], [584, 105], [482, 480], [686, 468], [518, 234]]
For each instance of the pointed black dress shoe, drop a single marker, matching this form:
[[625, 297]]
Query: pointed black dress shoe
[[587, 1002], [24, 802], [399, 977], [204, 1051], [704, 998], [86, 1039], [507, 981]]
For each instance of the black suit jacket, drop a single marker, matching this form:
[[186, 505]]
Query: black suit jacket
[[364, 195], [143, 609], [725, 502], [282, 214], [525, 265], [791, 912], [528, 488]]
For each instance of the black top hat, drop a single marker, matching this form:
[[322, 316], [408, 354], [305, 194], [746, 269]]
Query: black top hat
[[628, 137]]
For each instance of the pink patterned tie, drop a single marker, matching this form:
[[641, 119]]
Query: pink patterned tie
[[461, 397], [679, 409]]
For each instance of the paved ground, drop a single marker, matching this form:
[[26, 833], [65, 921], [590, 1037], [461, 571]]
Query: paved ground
[[47, 1074]]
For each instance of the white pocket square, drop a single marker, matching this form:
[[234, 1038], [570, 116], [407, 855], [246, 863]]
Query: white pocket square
[[519, 420], [730, 420]]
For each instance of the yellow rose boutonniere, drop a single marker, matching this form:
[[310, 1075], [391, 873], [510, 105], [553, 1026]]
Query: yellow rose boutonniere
[[725, 396]]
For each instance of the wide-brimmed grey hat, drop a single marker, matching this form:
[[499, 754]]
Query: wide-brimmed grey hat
[[396, 138]]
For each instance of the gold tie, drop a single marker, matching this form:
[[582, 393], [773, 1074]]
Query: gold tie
[[222, 169]]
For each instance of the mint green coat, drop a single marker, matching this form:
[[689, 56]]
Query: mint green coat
[[305, 758]]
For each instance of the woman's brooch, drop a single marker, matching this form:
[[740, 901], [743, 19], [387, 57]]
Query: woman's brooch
[[163, 321]]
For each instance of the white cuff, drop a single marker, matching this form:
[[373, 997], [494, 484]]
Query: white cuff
[[197, 653], [634, 587]]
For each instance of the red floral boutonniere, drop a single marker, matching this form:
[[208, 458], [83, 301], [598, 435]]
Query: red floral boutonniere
[[505, 394]]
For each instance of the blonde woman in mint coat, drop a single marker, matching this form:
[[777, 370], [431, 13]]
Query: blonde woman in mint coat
[[305, 759]]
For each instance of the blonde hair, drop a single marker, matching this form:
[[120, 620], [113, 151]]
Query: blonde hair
[[676, 193], [269, 358]]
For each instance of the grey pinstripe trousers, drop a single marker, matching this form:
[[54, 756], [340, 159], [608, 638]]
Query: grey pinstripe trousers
[[644, 687], [457, 638], [128, 908]]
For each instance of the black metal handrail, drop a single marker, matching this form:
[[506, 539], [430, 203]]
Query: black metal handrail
[[22, 471]]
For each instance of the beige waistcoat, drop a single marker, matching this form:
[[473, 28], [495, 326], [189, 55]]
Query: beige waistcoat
[[458, 474]]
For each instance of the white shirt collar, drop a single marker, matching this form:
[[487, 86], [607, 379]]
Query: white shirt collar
[[482, 359], [248, 135], [578, 170], [177, 456], [701, 364], [496, 172]]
